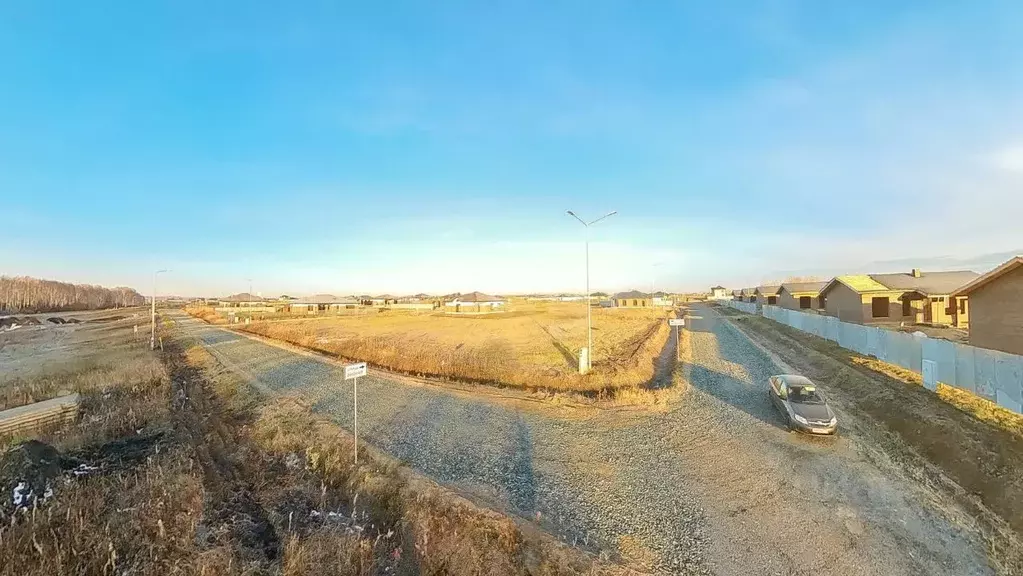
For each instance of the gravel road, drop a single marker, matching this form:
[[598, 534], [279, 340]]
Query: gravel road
[[713, 486]]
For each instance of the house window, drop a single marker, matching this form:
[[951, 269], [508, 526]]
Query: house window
[[772, 299], [907, 307], [821, 302], [962, 305], [634, 303], [805, 302], [879, 307]]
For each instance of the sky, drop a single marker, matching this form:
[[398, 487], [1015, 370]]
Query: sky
[[403, 147]]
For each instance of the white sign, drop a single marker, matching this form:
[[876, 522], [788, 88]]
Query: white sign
[[355, 370], [676, 321]]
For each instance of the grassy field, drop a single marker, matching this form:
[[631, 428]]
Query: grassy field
[[177, 466], [533, 346]]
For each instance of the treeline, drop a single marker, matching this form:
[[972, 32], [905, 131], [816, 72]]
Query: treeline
[[22, 294]]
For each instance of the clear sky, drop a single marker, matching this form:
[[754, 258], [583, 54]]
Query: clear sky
[[435, 146]]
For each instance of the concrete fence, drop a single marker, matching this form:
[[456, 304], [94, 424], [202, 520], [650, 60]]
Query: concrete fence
[[991, 374]]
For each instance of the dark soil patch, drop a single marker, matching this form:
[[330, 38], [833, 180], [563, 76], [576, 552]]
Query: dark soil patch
[[55, 320]]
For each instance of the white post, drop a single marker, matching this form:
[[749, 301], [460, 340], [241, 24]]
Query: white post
[[589, 308], [355, 394]]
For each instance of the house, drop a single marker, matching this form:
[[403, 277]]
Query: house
[[916, 297], [719, 293], [767, 295], [804, 296], [996, 307], [321, 303], [633, 299], [475, 301], [748, 295], [737, 295], [662, 299], [242, 300]]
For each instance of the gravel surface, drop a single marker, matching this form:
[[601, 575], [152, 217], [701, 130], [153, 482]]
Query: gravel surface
[[716, 485]]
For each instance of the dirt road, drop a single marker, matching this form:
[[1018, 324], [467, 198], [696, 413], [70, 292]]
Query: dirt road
[[714, 485]]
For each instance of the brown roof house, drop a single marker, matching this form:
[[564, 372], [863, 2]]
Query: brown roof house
[[633, 299], [767, 295], [996, 308], [475, 301], [804, 296], [916, 297]]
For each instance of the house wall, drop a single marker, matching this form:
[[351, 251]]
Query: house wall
[[765, 299], [844, 303], [789, 300], [633, 302], [996, 314]]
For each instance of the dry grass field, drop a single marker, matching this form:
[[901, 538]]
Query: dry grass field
[[533, 346], [177, 466]]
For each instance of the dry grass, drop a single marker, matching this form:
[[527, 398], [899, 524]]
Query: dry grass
[[978, 407], [534, 347]]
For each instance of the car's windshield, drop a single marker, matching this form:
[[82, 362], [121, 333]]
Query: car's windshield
[[805, 395]]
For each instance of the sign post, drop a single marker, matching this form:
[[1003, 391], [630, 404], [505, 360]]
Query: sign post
[[677, 323], [352, 372]]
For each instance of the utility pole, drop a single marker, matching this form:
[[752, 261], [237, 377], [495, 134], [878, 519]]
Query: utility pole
[[589, 305], [152, 322], [250, 285]]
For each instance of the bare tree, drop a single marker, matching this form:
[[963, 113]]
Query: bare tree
[[25, 294]]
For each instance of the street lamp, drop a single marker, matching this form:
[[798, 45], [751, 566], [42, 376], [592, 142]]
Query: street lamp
[[589, 305], [152, 323]]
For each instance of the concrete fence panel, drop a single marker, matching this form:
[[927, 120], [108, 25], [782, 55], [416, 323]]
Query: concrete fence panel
[[1009, 381], [874, 342], [984, 373], [965, 368]]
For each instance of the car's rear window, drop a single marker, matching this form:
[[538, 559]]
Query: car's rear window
[[805, 395]]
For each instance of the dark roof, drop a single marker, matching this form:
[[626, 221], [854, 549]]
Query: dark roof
[[632, 294], [769, 290], [717, 287], [793, 287], [988, 277], [928, 283], [478, 297], [243, 297]]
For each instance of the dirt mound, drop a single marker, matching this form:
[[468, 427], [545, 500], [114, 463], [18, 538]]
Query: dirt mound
[[30, 321], [9, 321], [73, 321], [55, 320]]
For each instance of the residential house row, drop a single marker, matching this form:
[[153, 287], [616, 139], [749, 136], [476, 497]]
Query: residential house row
[[989, 306]]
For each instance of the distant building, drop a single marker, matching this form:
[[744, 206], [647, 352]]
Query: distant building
[[242, 300], [321, 303], [767, 295], [719, 293], [916, 297], [996, 307], [805, 296], [633, 299], [475, 302]]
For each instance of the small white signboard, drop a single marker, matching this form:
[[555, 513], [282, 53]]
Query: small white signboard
[[355, 370], [676, 321]]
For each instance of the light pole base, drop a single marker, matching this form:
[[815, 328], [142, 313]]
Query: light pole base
[[584, 360]]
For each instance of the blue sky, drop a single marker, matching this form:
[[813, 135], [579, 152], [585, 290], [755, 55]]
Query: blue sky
[[435, 146]]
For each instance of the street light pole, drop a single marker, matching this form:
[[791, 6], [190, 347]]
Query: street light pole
[[152, 322], [589, 305]]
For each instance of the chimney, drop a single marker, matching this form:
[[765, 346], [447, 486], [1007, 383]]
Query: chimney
[[916, 272]]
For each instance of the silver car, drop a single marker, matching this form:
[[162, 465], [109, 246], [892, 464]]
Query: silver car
[[802, 404]]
